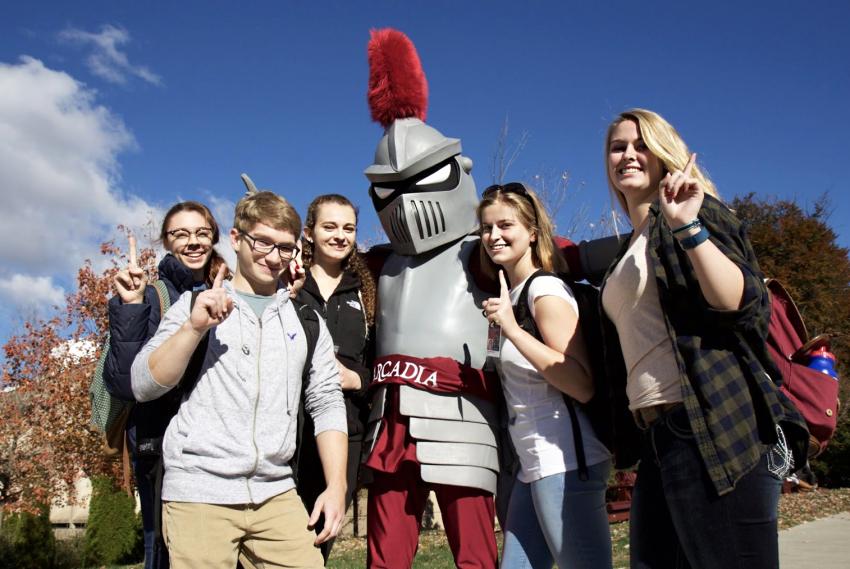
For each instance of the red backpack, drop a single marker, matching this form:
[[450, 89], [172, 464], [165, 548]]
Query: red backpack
[[815, 394]]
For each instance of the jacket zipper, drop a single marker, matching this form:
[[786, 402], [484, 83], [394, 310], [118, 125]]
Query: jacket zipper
[[254, 423]]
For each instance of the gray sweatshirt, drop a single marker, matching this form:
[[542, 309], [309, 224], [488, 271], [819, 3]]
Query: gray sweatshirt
[[234, 435]]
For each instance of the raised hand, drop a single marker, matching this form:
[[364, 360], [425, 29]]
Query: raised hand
[[212, 306], [499, 311], [131, 281], [296, 275], [680, 195]]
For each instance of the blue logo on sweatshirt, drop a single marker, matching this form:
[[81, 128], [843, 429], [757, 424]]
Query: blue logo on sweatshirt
[[291, 335]]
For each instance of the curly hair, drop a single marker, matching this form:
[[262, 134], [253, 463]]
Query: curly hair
[[354, 263]]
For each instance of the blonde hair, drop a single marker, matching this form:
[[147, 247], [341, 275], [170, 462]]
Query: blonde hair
[[663, 141], [531, 213], [267, 208]]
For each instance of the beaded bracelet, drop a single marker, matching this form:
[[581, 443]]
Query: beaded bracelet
[[691, 225], [694, 240]]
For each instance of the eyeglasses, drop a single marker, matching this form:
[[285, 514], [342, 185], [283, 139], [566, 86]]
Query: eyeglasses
[[203, 234], [286, 250]]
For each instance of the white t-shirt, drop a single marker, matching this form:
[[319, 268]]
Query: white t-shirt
[[540, 426]]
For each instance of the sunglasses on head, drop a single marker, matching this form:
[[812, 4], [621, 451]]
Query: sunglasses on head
[[509, 188]]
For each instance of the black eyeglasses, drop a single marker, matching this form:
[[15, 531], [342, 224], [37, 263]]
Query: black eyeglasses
[[286, 250]]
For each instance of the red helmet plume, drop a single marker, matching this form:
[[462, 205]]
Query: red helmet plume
[[397, 85]]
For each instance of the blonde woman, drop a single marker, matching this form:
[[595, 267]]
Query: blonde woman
[[556, 510], [690, 313]]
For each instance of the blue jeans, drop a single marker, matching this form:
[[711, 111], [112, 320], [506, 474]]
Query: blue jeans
[[559, 518], [679, 521], [143, 469]]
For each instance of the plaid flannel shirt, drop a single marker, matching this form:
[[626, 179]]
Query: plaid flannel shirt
[[725, 370]]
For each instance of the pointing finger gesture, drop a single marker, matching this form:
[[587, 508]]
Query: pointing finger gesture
[[131, 281], [681, 195], [212, 306], [499, 310]]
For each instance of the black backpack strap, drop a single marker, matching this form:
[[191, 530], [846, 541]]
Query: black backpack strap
[[196, 362], [309, 319], [522, 313], [186, 384]]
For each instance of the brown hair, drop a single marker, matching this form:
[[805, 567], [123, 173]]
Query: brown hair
[[215, 260], [354, 263], [531, 213], [267, 208]]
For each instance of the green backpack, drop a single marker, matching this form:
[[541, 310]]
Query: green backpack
[[108, 413]]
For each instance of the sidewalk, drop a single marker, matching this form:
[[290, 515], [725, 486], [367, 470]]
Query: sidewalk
[[821, 544]]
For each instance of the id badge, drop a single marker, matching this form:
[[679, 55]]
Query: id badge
[[494, 337]]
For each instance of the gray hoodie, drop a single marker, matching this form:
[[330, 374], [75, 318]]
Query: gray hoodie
[[234, 435]]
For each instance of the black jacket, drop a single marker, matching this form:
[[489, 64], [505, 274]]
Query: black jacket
[[130, 327], [346, 322]]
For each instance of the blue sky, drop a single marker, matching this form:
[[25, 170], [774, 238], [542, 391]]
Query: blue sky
[[112, 110]]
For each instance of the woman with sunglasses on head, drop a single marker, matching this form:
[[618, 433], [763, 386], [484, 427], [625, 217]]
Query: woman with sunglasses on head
[[340, 287], [690, 312], [188, 233], [554, 513]]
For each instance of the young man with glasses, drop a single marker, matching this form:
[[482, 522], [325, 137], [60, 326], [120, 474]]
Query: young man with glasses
[[228, 486]]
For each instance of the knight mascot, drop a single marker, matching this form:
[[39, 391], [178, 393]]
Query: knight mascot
[[432, 425]]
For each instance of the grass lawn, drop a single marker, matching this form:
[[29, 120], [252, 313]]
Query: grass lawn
[[794, 509]]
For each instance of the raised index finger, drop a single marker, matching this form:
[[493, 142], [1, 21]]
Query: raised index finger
[[690, 165], [133, 259], [219, 276], [503, 284]]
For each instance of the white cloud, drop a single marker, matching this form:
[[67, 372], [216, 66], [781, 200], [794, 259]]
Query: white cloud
[[107, 61], [59, 153], [25, 290], [222, 209]]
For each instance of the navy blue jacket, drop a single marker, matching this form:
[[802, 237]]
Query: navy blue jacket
[[130, 327]]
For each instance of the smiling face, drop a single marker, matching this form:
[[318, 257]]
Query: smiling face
[[333, 234], [189, 239], [633, 170], [257, 272], [506, 239]]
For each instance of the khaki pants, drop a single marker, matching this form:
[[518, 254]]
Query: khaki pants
[[211, 536]]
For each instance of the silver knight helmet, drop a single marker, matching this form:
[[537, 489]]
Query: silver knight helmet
[[421, 185]]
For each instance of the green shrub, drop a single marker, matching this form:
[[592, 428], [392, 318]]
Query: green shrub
[[114, 531], [27, 541], [69, 553]]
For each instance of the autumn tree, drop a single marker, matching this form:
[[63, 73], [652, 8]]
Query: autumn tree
[[799, 248], [46, 438]]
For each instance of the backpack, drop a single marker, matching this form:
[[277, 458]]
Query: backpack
[[813, 393], [108, 413], [598, 409]]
